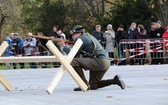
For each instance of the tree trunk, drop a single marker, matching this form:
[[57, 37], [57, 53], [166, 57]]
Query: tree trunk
[[1, 23]]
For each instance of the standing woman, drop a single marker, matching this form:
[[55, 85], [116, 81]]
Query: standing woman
[[109, 36]]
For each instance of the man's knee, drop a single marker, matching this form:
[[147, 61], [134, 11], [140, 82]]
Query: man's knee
[[75, 62]]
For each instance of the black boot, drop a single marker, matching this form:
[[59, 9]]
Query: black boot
[[79, 89], [119, 82], [116, 81]]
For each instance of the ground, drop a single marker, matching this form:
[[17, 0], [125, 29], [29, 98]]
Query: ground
[[145, 85]]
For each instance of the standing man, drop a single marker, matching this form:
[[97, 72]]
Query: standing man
[[30, 48], [55, 35], [95, 59], [8, 52], [18, 49], [98, 34]]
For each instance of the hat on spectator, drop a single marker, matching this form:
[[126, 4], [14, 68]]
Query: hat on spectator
[[30, 33], [109, 26], [159, 22]]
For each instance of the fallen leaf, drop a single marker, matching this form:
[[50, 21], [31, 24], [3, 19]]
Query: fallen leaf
[[109, 96]]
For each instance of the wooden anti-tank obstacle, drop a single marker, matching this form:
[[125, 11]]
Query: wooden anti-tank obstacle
[[3, 81], [65, 66]]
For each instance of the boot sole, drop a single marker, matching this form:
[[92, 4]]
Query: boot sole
[[121, 82]]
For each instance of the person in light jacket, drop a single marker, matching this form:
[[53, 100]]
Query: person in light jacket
[[109, 36]]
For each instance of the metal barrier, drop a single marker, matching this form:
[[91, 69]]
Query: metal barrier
[[113, 54], [143, 51], [32, 64]]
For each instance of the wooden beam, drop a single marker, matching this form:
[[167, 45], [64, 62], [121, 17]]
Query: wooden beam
[[13, 59], [61, 71], [67, 66], [51, 38], [4, 82], [3, 47]]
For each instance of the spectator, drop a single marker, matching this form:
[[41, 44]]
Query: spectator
[[165, 35], [109, 36], [18, 49], [30, 48], [54, 32], [156, 30], [98, 34], [8, 52], [120, 33], [141, 32], [152, 33], [132, 31], [55, 35], [62, 36], [160, 29]]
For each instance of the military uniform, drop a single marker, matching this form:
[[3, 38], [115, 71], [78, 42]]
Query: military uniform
[[95, 59]]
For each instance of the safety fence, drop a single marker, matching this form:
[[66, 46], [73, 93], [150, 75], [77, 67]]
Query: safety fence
[[143, 51], [34, 52]]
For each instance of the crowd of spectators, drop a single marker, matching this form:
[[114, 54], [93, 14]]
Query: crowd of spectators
[[29, 46], [134, 32]]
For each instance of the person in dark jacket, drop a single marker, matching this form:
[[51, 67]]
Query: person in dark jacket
[[18, 49], [95, 59], [98, 34], [120, 33], [132, 31], [156, 30]]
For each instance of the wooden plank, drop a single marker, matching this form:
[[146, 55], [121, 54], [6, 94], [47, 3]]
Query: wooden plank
[[60, 73], [13, 59], [51, 38], [67, 66], [4, 82], [3, 47]]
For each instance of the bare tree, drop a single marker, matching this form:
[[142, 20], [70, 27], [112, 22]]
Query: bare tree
[[94, 7], [9, 13], [160, 10]]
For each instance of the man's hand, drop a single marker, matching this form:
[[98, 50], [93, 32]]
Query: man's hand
[[61, 43]]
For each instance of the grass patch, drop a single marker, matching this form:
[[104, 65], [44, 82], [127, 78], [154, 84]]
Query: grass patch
[[2, 66], [27, 66]]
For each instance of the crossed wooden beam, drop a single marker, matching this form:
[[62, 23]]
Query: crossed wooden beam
[[64, 60], [3, 81]]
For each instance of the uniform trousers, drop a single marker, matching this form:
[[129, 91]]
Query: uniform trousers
[[97, 68]]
